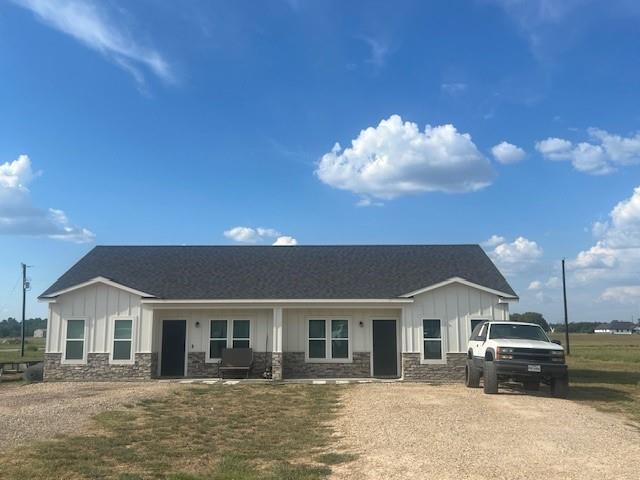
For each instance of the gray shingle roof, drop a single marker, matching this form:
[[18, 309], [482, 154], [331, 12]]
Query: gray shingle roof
[[300, 272]]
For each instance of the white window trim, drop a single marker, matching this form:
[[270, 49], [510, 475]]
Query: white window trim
[[229, 321], [443, 352], [327, 320], [84, 346], [112, 339]]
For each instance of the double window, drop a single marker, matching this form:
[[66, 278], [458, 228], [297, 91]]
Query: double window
[[74, 341], [431, 339], [122, 340], [328, 339], [221, 336]]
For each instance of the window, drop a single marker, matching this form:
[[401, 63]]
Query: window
[[217, 338], [241, 333], [221, 336], [480, 333], [328, 339], [74, 345], [432, 339], [475, 322], [317, 339], [122, 335]]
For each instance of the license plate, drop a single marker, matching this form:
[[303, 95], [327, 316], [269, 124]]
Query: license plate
[[533, 368]]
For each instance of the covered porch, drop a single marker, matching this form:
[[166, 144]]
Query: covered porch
[[301, 340]]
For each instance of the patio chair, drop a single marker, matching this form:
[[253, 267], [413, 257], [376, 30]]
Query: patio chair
[[236, 360]]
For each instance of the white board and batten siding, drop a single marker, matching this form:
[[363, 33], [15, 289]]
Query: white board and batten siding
[[98, 305], [198, 326], [294, 335], [455, 305]]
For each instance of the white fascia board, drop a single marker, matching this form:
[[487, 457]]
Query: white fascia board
[[383, 301], [506, 296], [93, 281]]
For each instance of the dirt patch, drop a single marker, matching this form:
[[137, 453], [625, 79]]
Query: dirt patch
[[44, 410], [410, 431]]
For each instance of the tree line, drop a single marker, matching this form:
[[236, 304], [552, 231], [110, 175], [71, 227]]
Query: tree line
[[10, 327]]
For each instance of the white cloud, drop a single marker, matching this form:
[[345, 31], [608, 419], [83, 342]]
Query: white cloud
[[379, 51], [615, 257], [629, 294], [507, 153], [493, 241], [91, 24], [395, 158], [285, 240], [454, 88], [516, 256], [18, 215], [605, 154], [257, 235], [535, 285]]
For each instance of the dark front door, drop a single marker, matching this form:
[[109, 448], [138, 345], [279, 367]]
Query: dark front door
[[174, 334], [385, 348]]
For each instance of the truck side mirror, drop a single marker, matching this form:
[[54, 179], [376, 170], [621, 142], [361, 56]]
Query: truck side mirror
[[557, 342]]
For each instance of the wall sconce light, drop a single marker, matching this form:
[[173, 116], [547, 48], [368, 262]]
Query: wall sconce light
[[361, 323], [197, 324]]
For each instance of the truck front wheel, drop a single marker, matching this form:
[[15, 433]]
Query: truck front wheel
[[490, 377], [471, 375]]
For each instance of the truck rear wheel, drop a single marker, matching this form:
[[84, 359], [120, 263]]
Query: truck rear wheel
[[490, 378], [560, 387], [471, 375]]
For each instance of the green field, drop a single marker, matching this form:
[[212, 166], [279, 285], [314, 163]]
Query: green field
[[604, 371], [10, 349]]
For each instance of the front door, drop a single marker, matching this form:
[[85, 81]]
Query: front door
[[174, 335], [385, 348]]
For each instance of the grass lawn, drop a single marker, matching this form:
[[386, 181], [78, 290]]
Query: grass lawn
[[10, 349], [244, 432], [604, 371]]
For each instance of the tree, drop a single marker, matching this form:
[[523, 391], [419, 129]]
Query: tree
[[530, 317], [10, 327]]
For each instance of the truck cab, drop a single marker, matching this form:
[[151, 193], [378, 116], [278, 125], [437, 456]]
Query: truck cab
[[500, 352]]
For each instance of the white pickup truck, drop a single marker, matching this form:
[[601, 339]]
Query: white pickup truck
[[514, 351]]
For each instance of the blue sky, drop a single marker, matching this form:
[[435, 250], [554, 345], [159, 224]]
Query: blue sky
[[200, 122]]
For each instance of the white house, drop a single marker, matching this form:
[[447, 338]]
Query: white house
[[616, 328], [305, 311]]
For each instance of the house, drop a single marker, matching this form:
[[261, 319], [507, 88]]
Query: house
[[141, 312], [616, 328], [40, 333]]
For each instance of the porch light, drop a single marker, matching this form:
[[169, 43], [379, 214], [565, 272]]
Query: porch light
[[361, 323], [197, 324]]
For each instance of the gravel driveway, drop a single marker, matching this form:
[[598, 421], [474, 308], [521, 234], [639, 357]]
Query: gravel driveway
[[409, 431], [43, 410]]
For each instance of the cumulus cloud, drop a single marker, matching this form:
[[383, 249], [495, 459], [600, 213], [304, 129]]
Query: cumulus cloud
[[258, 235], [616, 254], [89, 22], [18, 215], [507, 153], [395, 158], [285, 240], [513, 257], [493, 241], [629, 294], [604, 154], [535, 285]]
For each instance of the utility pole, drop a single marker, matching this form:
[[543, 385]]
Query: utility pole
[[24, 297], [566, 316]]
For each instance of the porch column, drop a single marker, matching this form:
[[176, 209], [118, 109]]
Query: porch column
[[276, 346]]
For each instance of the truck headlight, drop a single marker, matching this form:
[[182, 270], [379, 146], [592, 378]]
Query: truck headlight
[[505, 350]]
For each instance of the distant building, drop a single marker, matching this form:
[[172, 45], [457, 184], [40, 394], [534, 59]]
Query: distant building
[[617, 328], [40, 333]]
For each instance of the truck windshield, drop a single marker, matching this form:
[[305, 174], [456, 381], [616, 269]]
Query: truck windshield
[[524, 332]]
